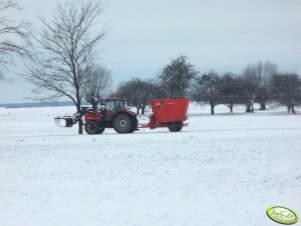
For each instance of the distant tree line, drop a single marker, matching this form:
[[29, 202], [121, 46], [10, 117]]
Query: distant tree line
[[257, 83]]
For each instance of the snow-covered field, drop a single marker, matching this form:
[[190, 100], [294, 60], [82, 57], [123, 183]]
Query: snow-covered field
[[225, 169]]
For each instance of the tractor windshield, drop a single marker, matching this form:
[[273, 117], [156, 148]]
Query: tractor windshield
[[116, 105], [126, 105]]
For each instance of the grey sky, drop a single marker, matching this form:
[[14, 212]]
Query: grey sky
[[224, 35]]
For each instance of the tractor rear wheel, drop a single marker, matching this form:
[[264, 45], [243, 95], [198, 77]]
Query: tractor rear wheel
[[93, 127], [135, 124], [124, 123], [175, 127]]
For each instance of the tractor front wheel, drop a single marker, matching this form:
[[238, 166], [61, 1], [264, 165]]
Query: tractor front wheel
[[124, 123], [175, 127], [93, 127]]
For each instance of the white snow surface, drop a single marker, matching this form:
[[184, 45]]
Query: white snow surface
[[225, 169]]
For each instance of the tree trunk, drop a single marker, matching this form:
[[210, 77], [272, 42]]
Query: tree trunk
[[230, 106], [212, 109], [80, 126], [262, 106], [142, 110], [80, 120], [248, 109], [288, 108], [293, 109], [94, 106], [138, 110]]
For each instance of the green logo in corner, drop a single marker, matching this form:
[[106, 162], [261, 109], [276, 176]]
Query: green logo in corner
[[282, 215]]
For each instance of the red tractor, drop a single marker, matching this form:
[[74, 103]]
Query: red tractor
[[115, 114], [169, 113]]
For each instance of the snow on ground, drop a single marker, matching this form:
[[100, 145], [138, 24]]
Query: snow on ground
[[225, 169]]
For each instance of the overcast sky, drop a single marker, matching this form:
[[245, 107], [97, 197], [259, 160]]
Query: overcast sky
[[224, 35]]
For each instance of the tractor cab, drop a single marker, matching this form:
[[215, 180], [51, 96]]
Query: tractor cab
[[116, 104]]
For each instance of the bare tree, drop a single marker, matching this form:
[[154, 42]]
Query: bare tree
[[97, 86], [139, 92], [286, 89], [67, 51], [175, 78], [249, 84], [13, 37], [229, 90], [255, 82], [208, 89]]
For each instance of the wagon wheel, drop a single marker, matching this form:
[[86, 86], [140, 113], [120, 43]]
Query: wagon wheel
[[175, 127], [124, 123]]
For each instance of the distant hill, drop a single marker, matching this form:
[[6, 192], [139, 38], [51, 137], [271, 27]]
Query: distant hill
[[37, 104]]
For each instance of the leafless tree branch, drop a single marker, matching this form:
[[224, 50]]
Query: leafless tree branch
[[13, 38], [67, 49]]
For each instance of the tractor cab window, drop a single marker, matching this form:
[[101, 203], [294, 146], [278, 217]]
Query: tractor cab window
[[126, 105], [116, 105]]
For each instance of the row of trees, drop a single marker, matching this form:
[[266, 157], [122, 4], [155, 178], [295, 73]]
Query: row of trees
[[258, 83], [173, 81], [229, 89]]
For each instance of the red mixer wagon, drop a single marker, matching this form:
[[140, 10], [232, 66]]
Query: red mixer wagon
[[169, 113]]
